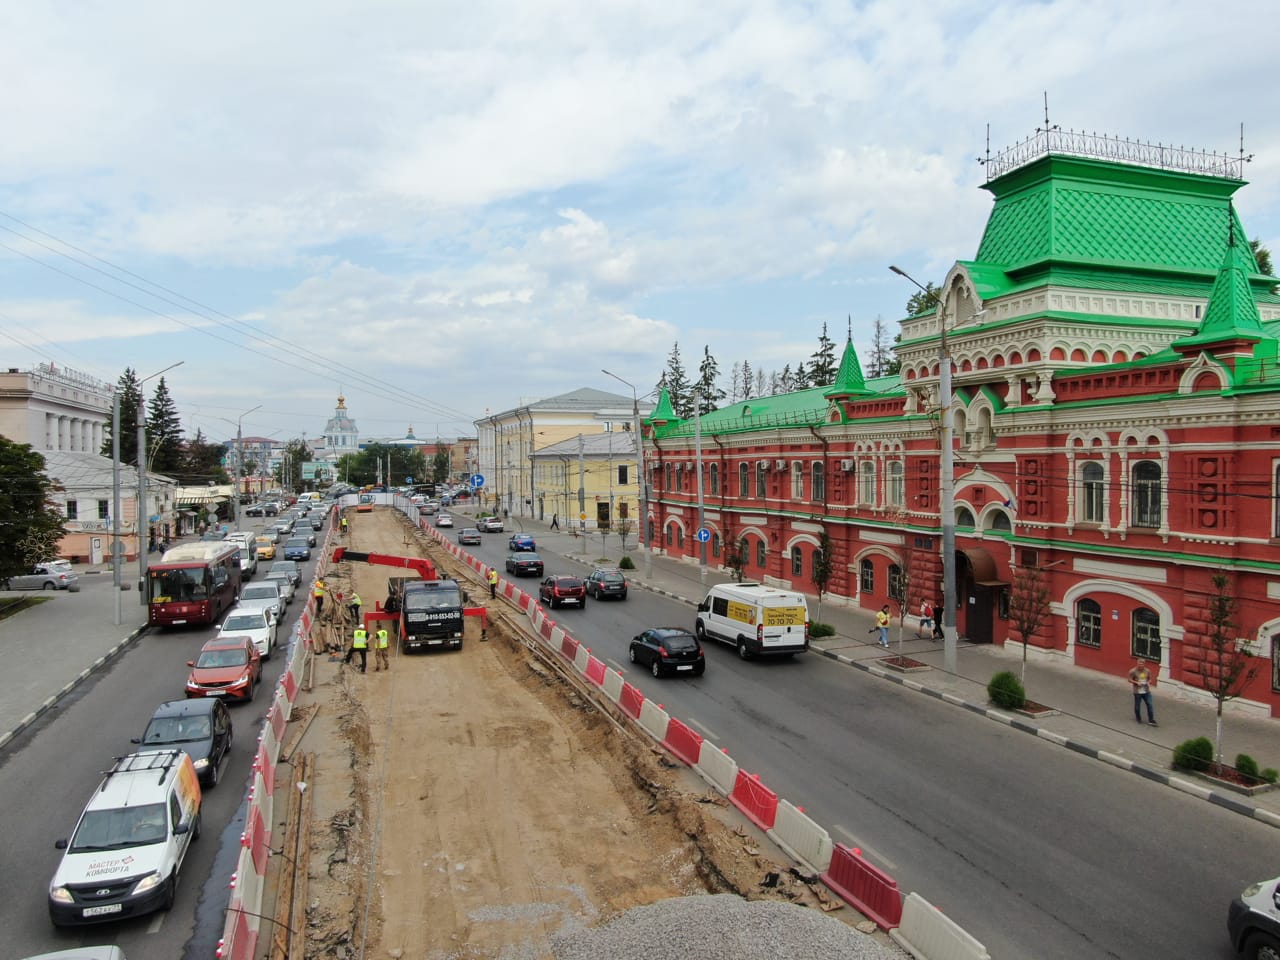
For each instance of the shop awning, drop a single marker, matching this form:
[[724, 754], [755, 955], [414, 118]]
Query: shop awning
[[198, 501]]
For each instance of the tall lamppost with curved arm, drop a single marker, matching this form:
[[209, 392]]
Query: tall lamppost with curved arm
[[643, 529]]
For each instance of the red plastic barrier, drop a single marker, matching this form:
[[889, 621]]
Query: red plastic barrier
[[244, 942], [681, 741], [255, 839], [525, 601], [568, 647], [262, 763], [508, 589], [596, 671], [290, 685], [872, 891], [753, 798], [277, 724], [547, 626], [631, 700]]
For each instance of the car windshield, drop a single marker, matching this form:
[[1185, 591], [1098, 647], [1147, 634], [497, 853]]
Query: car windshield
[[284, 566], [120, 827], [176, 730], [244, 621], [260, 591], [432, 598], [297, 542], [187, 583], [226, 657]]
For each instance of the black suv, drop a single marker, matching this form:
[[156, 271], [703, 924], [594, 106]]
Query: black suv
[[200, 727], [606, 582]]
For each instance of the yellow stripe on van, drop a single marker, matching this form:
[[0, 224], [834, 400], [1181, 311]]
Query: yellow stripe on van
[[742, 612], [784, 616]]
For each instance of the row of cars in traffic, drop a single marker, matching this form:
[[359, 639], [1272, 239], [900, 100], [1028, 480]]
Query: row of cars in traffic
[[125, 854]]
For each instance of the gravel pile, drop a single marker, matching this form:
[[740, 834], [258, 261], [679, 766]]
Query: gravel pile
[[721, 927]]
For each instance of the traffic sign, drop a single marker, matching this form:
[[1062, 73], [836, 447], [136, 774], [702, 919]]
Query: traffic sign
[[703, 534], [582, 516], [477, 480], [408, 479]]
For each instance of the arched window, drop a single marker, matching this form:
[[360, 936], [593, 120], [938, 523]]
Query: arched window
[[895, 582], [1146, 634], [679, 477], [648, 531], [1275, 506], [666, 479], [866, 576], [964, 518], [897, 485], [679, 538], [714, 474], [744, 488], [760, 479], [760, 553], [999, 520], [1091, 492], [797, 481], [1089, 624], [797, 561], [715, 544], [816, 562], [1146, 493], [818, 482], [867, 483]]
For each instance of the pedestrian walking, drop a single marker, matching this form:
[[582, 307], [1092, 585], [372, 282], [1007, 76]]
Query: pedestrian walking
[[353, 607], [1141, 678], [493, 583], [882, 624], [938, 613], [381, 659], [555, 521], [926, 620], [360, 645], [318, 591]]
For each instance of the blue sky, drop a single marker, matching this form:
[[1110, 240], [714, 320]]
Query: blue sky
[[440, 209]]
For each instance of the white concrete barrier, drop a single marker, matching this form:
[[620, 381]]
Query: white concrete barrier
[[801, 837], [581, 658], [929, 934], [654, 720], [612, 685], [717, 768]]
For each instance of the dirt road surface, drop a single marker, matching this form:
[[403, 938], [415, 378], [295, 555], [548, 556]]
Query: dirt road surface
[[469, 804]]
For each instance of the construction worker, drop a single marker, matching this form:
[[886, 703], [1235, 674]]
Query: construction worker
[[353, 607], [342, 525], [360, 645], [382, 640], [318, 591], [493, 583]]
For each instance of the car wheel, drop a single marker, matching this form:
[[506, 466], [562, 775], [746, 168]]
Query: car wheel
[[743, 652], [213, 770], [1262, 946], [655, 668], [170, 892], [698, 628], [631, 655], [49, 585]]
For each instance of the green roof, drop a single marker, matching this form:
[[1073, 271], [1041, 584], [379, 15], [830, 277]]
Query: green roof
[[849, 378], [1232, 313]]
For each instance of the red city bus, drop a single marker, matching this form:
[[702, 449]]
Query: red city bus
[[193, 583]]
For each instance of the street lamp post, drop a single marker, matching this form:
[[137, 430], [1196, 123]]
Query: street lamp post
[[235, 490], [697, 450], [643, 529], [946, 483], [141, 513]]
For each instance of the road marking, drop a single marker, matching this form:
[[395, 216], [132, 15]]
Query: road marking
[[866, 850], [155, 925], [708, 731]]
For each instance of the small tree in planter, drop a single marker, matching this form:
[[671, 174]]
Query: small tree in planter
[[1229, 666], [822, 567], [1028, 607], [623, 529], [737, 558]]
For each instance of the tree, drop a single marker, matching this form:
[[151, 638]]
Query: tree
[[623, 528], [1028, 607], [370, 464], [289, 473], [1262, 256], [130, 392], [1229, 666], [735, 383], [822, 566], [748, 381], [31, 525], [164, 433], [823, 366], [924, 300], [709, 392], [677, 381], [800, 379], [881, 354], [439, 467], [736, 557], [202, 461], [761, 384]]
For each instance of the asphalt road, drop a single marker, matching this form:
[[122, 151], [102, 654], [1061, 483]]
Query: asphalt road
[[1036, 851], [49, 771]]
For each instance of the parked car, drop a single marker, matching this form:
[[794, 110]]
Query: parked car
[[524, 565], [521, 541], [290, 567], [256, 623], [668, 650], [266, 547], [201, 728], [283, 579], [490, 524], [444, 520], [470, 535], [606, 582], [264, 594], [297, 548], [1253, 920], [50, 575], [228, 667], [557, 591]]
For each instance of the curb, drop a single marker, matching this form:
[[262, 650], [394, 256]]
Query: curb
[[1226, 801], [81, 677]]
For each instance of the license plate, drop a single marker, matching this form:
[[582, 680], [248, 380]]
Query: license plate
[[215, 693], [102, 910], [687, 666]]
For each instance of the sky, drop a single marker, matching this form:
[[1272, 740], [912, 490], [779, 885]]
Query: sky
[[441, 210]]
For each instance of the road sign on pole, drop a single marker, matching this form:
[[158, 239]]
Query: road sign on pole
[[703, 534], [477, 480]]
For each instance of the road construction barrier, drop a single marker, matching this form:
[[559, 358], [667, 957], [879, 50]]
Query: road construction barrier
[[568, 646], [869, 889], [612, 685], [716, 767], [801, 837], [754, 799], [925, 931], [631, 700], [548, 625], [683, 742], [581, 657], [653, 720], [596, 671]]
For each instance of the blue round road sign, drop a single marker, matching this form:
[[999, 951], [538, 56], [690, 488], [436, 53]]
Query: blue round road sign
[[703, 534], [477, 480]]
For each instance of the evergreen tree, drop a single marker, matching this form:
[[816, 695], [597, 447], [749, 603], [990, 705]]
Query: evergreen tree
[[748, 381], [130, 392], [30, 524], [922, 301], [878, 364], [709, 390], [164, 433], [678, 386], [787, 380], [202, 462], [775, 383], [800, 379], [823, 365]]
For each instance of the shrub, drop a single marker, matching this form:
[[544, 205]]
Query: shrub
[[1194, 754], [1246, 766], [1006, 691], [1270, 775], [818, 630], [626, 563]]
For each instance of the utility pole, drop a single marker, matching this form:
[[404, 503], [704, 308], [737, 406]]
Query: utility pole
[[697, 448], [642, 528], [115, 500], [582, 487]]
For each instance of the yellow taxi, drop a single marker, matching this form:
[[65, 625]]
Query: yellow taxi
[[266, 547]]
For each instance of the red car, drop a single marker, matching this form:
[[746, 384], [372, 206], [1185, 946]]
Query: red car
[[228, 667], [555, 591]]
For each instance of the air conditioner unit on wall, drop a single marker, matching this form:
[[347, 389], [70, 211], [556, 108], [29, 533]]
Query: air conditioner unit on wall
[[846, 464], [764, 464], [779, 464]]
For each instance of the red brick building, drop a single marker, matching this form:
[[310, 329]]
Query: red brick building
[[1116, 417]]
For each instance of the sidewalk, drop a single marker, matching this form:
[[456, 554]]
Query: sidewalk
[[1094, 710]]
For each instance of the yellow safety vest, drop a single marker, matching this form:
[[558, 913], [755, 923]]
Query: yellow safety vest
[[493, 576], [382, 638], [355, 600], [318, 591], [360, 640]]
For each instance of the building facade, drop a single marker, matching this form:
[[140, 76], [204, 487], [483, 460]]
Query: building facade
[[590, 480], [52, 408], [1114, 412], [341, 435]]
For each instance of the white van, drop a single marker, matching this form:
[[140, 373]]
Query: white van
[[756, 619], [248, 553], [128, 846]]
